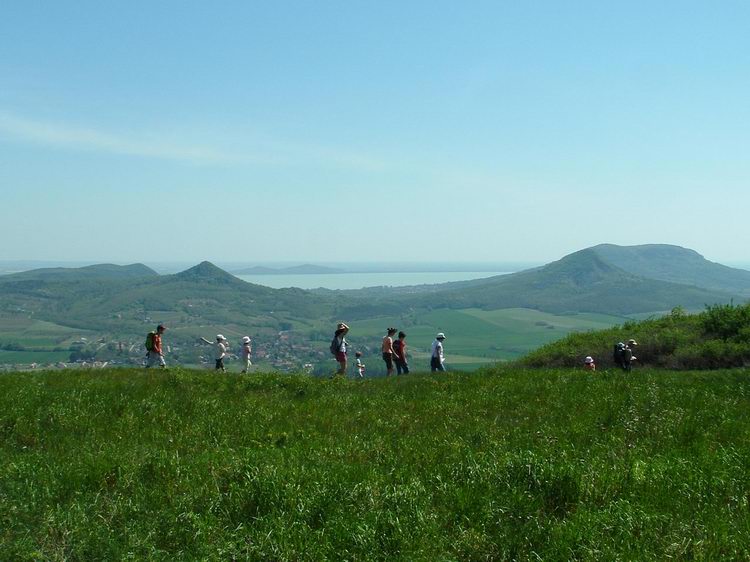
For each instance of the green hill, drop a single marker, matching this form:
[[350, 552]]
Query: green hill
[[718, 337], [580, 282], [676, 265], [511, 464], [100, 272]]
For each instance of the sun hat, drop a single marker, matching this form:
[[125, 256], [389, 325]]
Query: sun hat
[[246, 339], [632, 342], [220, 337], [440, 336], [588, 359], [342, 326]]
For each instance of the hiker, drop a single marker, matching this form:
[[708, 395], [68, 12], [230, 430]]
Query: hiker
[[437, 359], [360, 365], [623, 354], [246, 349], [589, 364], [220, 351], [399, 354], [387, 349], [339, 345], [628, 357], [154, 354], [617, 354]]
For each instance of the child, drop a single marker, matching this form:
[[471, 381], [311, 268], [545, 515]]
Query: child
[[360, 365], [246, 349], [220, 352], [589, 364]]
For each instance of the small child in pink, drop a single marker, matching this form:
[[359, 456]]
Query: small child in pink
[[589, 364]]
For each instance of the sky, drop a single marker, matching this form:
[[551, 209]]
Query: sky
[[372, 131]]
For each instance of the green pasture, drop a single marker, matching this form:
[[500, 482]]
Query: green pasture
[[504, 464], [475, 336]]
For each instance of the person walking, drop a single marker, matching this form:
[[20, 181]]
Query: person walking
[[387, 349], [154, 353], [220, 351], [360, 365], [627, 356], [399, 354], [339, 345], [437, 359], [246, 350]]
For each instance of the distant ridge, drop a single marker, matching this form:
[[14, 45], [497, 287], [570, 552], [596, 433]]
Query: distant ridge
[[583, 281], [90, 272], [306, 269], [676, 265]]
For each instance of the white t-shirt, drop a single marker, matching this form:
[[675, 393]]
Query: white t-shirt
[[220, 350], [437, 350]]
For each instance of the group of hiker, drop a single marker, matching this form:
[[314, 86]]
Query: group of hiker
[[622, 355], [393, 352], [155, 354]]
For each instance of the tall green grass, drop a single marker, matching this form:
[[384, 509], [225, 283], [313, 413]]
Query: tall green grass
[[503, 464]]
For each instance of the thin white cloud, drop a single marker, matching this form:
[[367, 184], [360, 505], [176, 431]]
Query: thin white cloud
[[91, 140], [258, 152]]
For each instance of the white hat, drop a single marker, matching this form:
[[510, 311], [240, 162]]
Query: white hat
[[588, 359], [440, 336], [220, 337], [246, 339]]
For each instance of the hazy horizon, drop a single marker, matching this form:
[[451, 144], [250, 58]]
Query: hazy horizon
[[388, 131]]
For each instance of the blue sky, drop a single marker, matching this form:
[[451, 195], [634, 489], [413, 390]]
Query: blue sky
[[372, 131]]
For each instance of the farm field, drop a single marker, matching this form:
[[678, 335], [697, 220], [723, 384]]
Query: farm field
[[475, 336], [502, 464]]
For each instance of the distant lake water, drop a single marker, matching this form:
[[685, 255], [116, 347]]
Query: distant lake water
[[361, 280]]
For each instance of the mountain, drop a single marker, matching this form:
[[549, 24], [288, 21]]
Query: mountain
[[199, 295], [676, 265], [580, 282], [306, 269], [105, 271], [206, 272]]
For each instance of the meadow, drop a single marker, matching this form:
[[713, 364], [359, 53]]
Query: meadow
[[504, 464]]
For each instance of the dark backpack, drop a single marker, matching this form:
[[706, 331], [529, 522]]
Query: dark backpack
[[335, 345], [618, 353], [150, 341]]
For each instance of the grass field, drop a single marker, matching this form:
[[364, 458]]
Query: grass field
[[504, 464]]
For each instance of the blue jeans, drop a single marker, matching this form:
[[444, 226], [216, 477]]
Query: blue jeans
[[402, 366]]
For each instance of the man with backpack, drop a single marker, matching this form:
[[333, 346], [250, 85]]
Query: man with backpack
[[154, 354], [623, 354]]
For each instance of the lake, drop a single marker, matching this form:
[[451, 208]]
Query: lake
[[365, 279]]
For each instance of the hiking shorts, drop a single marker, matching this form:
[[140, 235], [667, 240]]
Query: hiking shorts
[[154, 358], [388, 358], [340, 356]]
